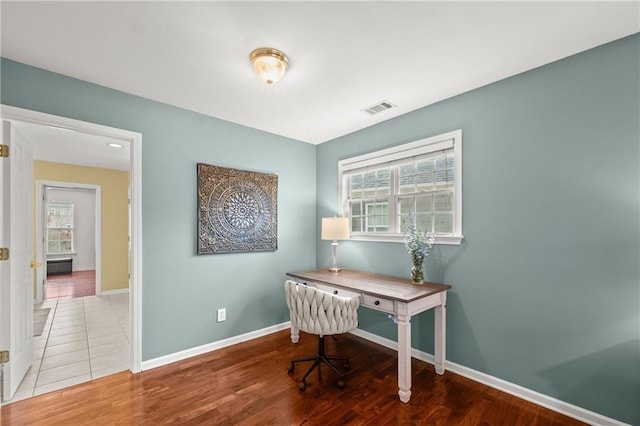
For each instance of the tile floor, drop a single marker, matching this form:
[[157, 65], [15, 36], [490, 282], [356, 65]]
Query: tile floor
[[83, 339]]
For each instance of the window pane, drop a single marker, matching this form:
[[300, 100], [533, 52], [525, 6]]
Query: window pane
[[407, 178], [424, 222], [356, 209], [53, 247], [369, 184], [443, 202], [445, 171], [372, 183], [53, 221], [356, 224], [377, 217], [355, 185], [383, 185], [444, 178], [424, 204], [444, 223], [407, 205], [60, 224], [445, 162], [425, 177], [53, 234]]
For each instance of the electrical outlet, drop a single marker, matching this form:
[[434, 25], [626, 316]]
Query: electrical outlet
[[222, 314]]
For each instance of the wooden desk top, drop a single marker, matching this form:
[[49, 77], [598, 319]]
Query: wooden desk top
[[394, 288]]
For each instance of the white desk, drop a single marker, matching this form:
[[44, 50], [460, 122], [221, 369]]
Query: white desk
[[396, 296]]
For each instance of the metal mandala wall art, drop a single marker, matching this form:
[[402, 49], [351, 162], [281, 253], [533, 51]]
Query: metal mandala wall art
[[237, 210]]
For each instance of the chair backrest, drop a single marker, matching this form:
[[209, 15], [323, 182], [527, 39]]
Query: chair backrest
[[318, 312]]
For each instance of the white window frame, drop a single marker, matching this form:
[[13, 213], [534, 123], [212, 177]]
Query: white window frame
[[398, 154], [73, 229]]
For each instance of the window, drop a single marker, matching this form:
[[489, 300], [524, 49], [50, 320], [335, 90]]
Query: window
[[379, 190], [60, 227]]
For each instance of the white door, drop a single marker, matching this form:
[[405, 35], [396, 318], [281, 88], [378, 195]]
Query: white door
[[17, 276]]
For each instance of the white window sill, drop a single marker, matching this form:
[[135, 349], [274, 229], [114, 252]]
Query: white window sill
[[454, 240]]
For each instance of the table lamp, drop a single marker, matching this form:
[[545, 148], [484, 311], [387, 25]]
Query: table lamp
[[335, 228]]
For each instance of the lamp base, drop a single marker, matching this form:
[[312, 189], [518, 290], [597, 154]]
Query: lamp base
[[335, 269]]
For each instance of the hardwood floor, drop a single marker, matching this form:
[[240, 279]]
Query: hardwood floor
[[68, 286], [247, 384]]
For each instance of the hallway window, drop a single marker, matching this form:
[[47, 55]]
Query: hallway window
[[60, 227]]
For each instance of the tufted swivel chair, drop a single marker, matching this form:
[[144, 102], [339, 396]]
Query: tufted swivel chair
[[325, 314]]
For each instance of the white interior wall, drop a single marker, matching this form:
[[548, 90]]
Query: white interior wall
[[84, 258]]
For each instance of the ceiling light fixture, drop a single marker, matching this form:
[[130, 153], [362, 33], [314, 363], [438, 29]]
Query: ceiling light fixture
[[115, 145], [269, 64]]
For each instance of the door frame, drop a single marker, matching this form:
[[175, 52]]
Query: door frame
[[41, 254], [135, 143]]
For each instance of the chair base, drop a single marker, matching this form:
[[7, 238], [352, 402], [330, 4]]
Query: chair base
[[321, 357]]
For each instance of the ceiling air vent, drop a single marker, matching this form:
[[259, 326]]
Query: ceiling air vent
[[379, 107]]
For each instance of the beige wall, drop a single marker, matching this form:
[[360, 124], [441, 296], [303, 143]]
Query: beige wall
[[115, 217]]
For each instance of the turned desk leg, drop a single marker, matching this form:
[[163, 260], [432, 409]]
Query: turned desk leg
[[440, 332], [295, 334], [404, 357]]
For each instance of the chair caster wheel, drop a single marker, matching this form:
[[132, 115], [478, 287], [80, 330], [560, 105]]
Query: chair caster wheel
[[291, 368], [341, 384], [302, 386]]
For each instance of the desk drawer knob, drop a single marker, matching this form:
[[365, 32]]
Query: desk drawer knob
[[377, 302]]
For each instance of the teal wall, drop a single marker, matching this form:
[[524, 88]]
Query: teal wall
[[546, 284], [181, 291]]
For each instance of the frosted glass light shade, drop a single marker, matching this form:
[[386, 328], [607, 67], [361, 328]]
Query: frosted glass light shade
[[335, 228], [269, 64]]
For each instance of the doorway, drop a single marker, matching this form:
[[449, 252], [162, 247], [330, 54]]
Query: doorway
[[133, 142], [70, 244]]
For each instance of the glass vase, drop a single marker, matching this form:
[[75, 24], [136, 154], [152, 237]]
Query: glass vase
[[417, 271]]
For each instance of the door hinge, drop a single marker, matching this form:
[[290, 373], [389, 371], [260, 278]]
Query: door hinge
[[4, 357], [4, 151], [4, 253]]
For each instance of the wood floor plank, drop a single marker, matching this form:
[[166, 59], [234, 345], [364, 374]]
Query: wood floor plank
[[248, 384], [69, 286]]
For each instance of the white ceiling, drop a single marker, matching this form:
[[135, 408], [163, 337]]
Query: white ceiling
[[71, 147], [344, 56]]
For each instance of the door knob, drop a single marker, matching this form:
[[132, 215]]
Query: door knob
[[35, 264]]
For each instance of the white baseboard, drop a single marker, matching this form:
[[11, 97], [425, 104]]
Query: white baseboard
[[554, 404], [199, 350], [112, 292], [551, 403]]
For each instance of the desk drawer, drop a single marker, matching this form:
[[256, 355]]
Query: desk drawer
[[377, 303], [337, 291], [333, 290]]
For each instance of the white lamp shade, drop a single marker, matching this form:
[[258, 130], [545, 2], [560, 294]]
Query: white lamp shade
[[335, 228]]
